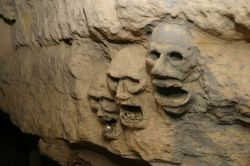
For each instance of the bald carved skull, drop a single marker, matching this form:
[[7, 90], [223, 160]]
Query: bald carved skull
[[126, 79], [172, 59]]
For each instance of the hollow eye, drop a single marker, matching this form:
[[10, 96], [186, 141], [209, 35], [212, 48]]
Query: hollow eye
[[94, 103], [134, 85], [154, 54], [176, 56], [113, 78], [112, 83], [109, 105]]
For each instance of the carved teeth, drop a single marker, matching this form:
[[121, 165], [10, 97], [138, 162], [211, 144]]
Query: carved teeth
[[132, 116], [108, 127], [129, 113], [109, 124]]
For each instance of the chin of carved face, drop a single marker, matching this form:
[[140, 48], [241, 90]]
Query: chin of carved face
[[110, 129], [132, 116], [173, 98], [175, 111]]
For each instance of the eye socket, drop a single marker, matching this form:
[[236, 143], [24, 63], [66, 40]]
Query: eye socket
[[109, 105], [176, 56], [94, 103], [135, 86], [112, 83], [113, 78], [154, 54], [131, 79]]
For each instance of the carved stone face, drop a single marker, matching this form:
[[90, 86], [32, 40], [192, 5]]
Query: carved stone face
[[126, 80], [105, 107], [172, 58]]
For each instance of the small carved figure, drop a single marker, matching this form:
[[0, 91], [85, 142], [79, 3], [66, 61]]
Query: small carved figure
[[126, 78], [172, 59], [105, 107]]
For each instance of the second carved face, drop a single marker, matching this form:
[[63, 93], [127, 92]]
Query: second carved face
[[127, 82]]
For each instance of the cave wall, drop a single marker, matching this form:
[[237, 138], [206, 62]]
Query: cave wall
[[61, 60]]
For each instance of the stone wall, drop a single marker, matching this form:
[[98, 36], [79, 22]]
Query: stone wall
[[165, 81]]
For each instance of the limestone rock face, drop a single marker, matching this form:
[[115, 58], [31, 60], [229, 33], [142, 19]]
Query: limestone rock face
[[142, 82]]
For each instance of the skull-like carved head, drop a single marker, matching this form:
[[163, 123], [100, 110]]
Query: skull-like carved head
[[172, 58], [105, 107], [126, 78]]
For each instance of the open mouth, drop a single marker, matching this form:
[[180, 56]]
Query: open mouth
[[131, 116], [110, 129], [172, 96]]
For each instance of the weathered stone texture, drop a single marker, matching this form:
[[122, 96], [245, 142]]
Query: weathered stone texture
[[165, 81], [41, 22]]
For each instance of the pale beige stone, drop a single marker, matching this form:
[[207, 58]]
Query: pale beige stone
[[56, 56]]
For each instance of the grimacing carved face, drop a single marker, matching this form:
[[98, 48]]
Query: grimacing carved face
[[126, 81], [172, 59], [105, 107]]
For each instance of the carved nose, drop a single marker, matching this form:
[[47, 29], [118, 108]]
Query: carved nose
[[100, 111], [122, 92], [160, 69], [163, 69]]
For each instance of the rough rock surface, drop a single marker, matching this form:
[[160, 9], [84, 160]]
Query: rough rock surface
[[161, 82]]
